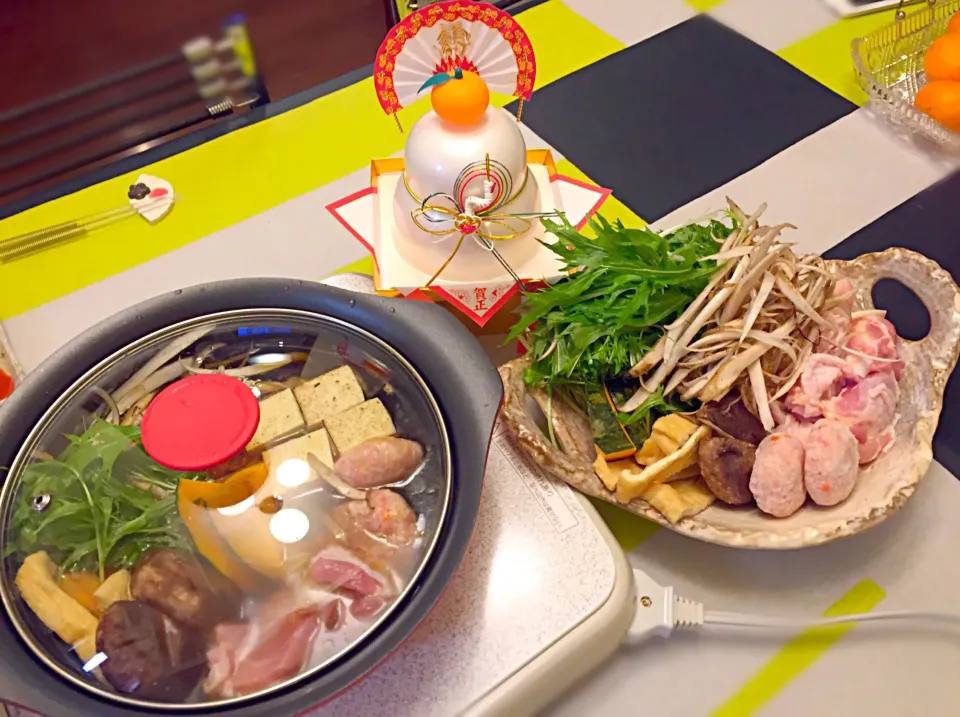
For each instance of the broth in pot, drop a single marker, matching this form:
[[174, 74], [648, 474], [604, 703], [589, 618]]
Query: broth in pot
[[166, 547]]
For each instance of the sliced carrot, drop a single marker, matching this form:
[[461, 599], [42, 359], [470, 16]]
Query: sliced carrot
[[236, 488], [211, 546], [81, 586]]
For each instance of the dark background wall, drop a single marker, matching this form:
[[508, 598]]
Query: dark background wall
[[48, 46]]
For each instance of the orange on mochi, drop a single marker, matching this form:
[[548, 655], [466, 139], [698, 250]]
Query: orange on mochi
[[461, 100]]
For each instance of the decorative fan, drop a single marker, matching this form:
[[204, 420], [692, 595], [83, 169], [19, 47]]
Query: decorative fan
[[449, 36]]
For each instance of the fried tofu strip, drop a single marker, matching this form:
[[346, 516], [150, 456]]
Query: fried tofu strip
[[36, 580], [114, 588], [631, 486], [680, 499]]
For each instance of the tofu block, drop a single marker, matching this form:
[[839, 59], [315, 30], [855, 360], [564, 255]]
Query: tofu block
[[279, 416], [368, 420], [328, 394], [316, 443]]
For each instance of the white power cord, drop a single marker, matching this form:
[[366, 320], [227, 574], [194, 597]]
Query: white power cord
[[733, 618], [660, 611]]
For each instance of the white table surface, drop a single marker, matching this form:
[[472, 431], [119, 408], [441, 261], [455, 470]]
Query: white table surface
[[895, 671]]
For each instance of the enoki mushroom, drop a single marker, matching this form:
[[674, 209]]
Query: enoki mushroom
[[752, 327]]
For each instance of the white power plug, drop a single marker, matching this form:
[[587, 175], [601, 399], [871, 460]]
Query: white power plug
[[660, 611]]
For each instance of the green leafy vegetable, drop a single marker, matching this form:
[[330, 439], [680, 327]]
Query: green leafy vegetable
[[624, 286], [109, 503]]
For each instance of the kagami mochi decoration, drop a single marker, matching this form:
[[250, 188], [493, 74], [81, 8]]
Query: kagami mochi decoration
[[449, 36], [456, 219], [466, 162]]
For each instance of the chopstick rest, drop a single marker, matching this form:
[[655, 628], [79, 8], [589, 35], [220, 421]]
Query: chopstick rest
[[150, 197]]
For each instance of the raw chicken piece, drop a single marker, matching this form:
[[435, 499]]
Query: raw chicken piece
[[858, 389], [379, 525], [247, 658], [822, 378], [876, 446], [228, 638], [801, 405], [824, 375], [843, 287], [874, 336], [344, 576], [867, 409], [830, 462], [367, 607], [777, 478], [787, 420], [341, 571], [280, 654], [334, 615], [831, 339]]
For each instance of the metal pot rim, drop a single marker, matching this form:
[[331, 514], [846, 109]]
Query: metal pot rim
[[462, 381], [9, 489]]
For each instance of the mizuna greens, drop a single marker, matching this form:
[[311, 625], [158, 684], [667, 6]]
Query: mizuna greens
[[625, 285], [104, 503]]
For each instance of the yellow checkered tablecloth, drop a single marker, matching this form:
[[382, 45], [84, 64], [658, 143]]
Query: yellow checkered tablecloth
[[252, 202]]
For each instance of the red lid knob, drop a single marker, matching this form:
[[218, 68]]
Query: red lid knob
[[199, 422]]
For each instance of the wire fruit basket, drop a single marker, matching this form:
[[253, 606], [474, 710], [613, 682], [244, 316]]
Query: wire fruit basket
[[889, 67]]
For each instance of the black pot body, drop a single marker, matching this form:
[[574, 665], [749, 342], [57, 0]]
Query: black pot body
[[464, 383]]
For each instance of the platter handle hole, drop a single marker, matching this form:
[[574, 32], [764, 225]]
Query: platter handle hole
[[535, 412], [904, 309]]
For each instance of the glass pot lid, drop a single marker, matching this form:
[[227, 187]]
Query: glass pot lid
[[222, 508]]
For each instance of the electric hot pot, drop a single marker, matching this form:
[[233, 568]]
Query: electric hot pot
[[178, 534]]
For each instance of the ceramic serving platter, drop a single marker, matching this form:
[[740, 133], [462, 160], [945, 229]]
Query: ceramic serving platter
[[883, 486]]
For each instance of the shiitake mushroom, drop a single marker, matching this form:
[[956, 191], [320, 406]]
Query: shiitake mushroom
[[731, 418], [185, 588], [726, 464], [148, 654]]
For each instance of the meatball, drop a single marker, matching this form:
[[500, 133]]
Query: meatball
[[726, 464], [379, 461], [730, 416], [831, 462], [147, 653], [777, 478], [185, 588]]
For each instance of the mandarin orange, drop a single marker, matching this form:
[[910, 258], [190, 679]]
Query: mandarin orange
[[954, 24], [461, 101], [942, 61], [941, 101]]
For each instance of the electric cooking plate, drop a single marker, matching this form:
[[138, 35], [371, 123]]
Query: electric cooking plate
[[543, 595]]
